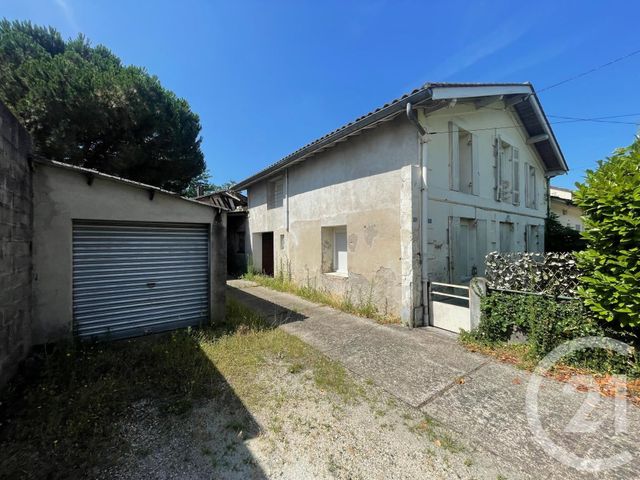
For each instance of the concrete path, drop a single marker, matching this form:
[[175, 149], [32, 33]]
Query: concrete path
[[480, 399]]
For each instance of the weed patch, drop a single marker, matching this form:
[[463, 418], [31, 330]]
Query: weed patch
[[64, 422], [362, 306]]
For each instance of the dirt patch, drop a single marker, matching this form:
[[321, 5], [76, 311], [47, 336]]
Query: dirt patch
[[243, 400], [298, 431]]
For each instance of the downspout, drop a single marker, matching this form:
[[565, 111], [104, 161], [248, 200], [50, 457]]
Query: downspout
[[423, 140]]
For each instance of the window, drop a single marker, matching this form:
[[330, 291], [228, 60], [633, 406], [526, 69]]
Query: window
[[461, 148], [340, 250], [564, 211], [282, 241], [275, 193], [507, 172], [334, 250], [530, 187], [578, 227]]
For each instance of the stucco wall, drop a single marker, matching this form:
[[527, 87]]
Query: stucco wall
[[484, 124], [358, 184], [61, 196], [372, 184], [16, 230]]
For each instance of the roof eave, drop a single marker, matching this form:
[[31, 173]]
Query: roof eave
[[430, 91], [113, 178], [380, 115]]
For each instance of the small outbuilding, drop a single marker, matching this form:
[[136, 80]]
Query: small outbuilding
[[114, 258], [235, 204]]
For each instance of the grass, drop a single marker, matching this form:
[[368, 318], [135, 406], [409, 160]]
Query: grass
[[429, 428], [62, 420], [363, 306], [519, 355]]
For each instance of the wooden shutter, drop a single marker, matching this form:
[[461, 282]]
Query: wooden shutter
[[454, 157], [475, 187], [498, 168], [516, 176]]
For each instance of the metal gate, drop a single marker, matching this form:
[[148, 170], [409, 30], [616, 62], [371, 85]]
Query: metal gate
[[448, 309], [132, 278]]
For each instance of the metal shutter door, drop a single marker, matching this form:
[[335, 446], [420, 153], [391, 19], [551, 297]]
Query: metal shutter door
[[133, 279]]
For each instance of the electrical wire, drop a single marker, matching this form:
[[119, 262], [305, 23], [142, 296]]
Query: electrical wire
[[567, 120], [587, 72]]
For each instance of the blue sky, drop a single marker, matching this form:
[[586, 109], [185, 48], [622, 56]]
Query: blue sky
[[268, 76]]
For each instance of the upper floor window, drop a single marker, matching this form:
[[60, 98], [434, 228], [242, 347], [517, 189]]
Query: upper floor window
[[507, 172], [461, 152], [530, 187], [275, 193]]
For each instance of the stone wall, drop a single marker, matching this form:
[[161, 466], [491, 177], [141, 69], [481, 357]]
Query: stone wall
[[16, 232]]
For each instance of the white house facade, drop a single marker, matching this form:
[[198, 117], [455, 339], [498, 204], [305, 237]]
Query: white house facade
[[420, 189], [561, 203]]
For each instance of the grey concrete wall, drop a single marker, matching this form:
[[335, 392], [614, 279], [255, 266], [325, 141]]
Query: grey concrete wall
[[61, 196], [16, 231]]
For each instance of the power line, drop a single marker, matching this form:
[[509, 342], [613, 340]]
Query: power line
[[567, 120], [600, 119], [594, 69]]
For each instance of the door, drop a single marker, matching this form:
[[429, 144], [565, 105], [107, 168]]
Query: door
[[267, 253], [506, 237], [467, 244], [132, 279]]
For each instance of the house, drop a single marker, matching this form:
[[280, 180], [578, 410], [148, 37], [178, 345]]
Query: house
[[561, 203], [235, 205], [418, 190]]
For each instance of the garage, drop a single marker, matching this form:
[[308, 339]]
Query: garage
[[114, 258], [137, 278]]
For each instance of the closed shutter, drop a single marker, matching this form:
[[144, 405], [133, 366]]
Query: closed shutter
[[516, 176], [340, 250], [133, 279]]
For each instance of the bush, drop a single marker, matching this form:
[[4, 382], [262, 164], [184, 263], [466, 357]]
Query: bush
[[560, 238], [610, 200], [547, 322]]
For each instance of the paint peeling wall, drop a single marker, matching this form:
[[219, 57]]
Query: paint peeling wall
[[372, 184], [447, 206], [357, 184]]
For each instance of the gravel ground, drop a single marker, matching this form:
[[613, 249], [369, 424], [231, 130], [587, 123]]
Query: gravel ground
[[300, 431]]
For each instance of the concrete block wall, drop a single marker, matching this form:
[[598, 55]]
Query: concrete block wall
[[16, 233]]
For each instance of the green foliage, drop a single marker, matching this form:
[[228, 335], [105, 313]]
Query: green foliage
[[204, 181], [83, 107], [560, 238], [545, 321], [610, 200]]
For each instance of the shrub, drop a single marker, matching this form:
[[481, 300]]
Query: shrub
[[546, 321], [560, 238], [610, 200]]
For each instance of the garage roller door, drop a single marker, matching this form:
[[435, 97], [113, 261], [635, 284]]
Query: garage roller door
[[133, 279]]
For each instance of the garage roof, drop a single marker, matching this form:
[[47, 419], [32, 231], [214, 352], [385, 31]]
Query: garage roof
[[435, 96], [90, 174]]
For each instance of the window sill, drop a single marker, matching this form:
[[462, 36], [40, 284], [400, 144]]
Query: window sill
[[337, 274]]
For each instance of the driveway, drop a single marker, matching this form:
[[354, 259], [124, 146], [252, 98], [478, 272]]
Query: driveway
[[474, 396]]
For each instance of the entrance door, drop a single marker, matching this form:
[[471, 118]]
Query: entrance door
[[267, 253]]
